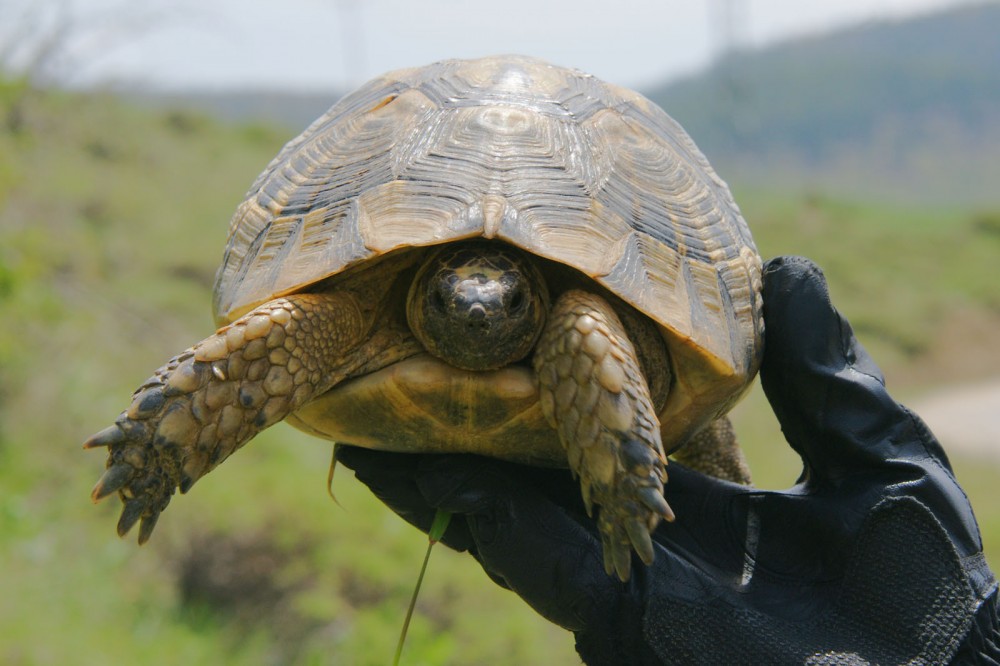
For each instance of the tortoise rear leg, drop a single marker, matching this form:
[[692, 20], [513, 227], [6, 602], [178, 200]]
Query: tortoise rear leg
[[595, 395], [714, 451], [207, 402]]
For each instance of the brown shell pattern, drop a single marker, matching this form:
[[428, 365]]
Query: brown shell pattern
[[549, 159]]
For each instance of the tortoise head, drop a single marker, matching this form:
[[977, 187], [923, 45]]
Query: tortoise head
[[477, 305]]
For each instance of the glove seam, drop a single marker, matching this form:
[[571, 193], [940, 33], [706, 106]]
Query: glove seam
[[926, 438]]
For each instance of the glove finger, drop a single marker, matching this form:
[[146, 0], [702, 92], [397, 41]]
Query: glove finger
[[546, 552], [710, 523], [392, 479], [828, 394]]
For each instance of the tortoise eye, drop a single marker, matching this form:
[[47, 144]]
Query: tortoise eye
[[517, 300], [437, 300]]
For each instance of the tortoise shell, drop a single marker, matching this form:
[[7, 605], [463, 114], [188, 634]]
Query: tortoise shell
[[548, 159]]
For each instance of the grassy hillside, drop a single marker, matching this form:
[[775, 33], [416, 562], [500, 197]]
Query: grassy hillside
[[907, 108], [112, 221], [293, 109]]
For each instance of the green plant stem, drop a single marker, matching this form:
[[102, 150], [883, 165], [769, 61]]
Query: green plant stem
[[438, 526]]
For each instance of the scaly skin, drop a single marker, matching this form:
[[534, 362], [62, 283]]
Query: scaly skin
[[207, 402], [594, 394], [715, 452]]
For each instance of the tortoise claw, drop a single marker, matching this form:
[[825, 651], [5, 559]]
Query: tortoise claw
[[108, 437], [585, 490], [652, 497], [607, 557], [621, 555], [186, 482], [114, 478], [638, 533], [130, 515], [146, 527]]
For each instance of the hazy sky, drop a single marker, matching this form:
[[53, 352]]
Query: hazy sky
[[336, 44]]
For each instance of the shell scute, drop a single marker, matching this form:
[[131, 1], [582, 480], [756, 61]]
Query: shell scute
[[549, 159]]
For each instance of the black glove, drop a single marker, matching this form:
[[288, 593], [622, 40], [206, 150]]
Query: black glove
[[873, 557]]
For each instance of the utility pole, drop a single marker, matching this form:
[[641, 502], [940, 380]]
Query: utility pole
[[729, 19], [352, 42]]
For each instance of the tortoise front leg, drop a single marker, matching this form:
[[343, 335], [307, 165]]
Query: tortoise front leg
[[212, 399], [595, 395]]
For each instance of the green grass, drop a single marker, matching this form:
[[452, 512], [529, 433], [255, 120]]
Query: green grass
[[896, 272], [112, 221]]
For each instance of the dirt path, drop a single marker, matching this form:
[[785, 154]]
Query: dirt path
[[964, 418]]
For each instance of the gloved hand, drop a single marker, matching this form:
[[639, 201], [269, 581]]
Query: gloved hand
[[874, 556]]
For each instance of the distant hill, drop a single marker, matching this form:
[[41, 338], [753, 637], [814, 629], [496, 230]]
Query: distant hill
[[906, 108], [290, 109]]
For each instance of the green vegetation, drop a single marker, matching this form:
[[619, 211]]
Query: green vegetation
[[903, 275], [112, 221]]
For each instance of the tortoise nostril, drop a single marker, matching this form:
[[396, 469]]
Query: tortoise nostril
[[475, 319], [477, 314]]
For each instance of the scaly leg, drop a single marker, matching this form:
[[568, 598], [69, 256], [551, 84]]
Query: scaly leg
[[714, 451], [594, 394], [207, 402]]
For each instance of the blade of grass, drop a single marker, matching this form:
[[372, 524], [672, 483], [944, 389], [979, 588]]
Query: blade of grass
[[438, 527]]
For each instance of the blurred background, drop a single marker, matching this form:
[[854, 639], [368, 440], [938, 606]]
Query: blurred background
[[863, 133]]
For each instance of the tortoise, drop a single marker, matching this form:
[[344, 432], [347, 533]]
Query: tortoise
[[494, 256]]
